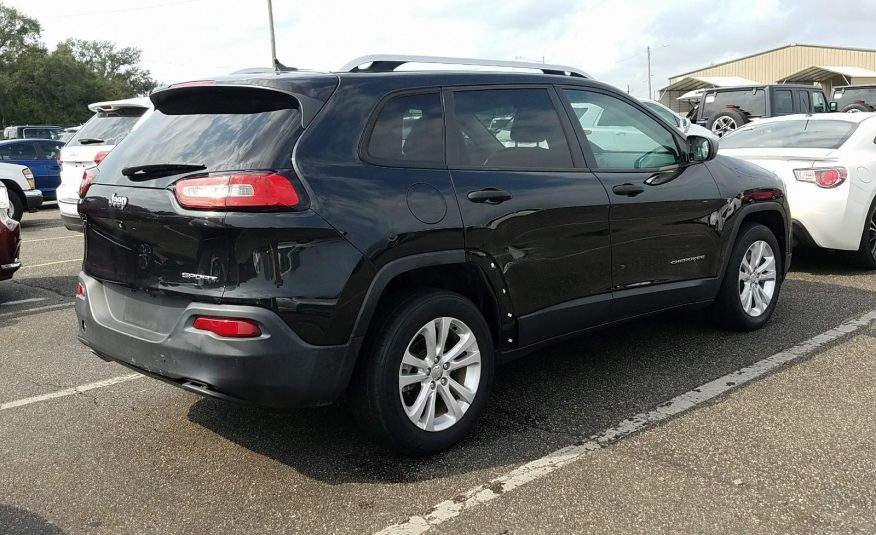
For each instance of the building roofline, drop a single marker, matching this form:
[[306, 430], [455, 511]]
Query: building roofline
[[762, 52]]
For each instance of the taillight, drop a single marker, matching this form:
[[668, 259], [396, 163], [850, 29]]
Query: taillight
[[87, 178], [80, 290], [828, 177], [100, 156], [228, 327], [237, 190]]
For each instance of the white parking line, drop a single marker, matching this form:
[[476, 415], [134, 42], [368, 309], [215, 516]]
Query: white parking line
[[69, 391], [23, 301], [36, 309], [52, 263], [552, 462], [49, 239]]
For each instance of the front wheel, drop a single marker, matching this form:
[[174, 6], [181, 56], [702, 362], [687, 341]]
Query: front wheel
[[426, 373], [752, 281]]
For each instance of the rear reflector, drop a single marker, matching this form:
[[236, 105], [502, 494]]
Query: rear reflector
[[100, 156], [228, 327], [80, 290], [237, 190], [87, 178], [829, 177]]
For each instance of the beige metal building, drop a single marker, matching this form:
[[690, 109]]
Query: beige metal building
[[827, 66]]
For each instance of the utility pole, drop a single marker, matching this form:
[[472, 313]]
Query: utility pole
[[649, 71], [273, 40]]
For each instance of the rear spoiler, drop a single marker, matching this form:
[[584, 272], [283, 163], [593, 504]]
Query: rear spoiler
[[243, 98], [114, 105]]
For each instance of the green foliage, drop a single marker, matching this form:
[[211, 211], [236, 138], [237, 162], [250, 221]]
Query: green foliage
[[42, 87]]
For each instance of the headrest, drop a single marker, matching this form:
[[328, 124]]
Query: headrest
[[530, 125]]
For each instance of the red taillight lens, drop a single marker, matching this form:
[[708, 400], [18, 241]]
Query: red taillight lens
[[237, 190], [80, 290], [228, 327], [829, 177], [87, 178], [100, 156]]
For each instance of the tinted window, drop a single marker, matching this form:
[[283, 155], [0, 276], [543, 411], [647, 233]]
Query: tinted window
[[18, 151], [42, 132], [621, 135], [846, 97], [409, 131], [819, 105], [511, 129], [220, 141], [751, 101], [50, 150], [803, 134], [109, 128], [804, 101], [784, 103]]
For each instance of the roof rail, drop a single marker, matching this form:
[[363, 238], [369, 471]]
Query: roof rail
[[389, 62]]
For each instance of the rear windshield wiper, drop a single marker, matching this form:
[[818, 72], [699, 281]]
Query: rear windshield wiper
[[90, 141], [163, 169]]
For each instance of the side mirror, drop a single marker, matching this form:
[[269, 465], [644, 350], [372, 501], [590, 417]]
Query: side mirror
[[701, 149], [832, 106]]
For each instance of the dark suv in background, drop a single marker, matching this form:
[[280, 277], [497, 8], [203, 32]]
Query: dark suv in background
[[725, 109], [287, 239], [854, 98]]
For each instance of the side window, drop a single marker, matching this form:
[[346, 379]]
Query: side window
[[50, 150], [819, 105], [804, 102], [18, 151], [409, 131], [509, 128], [784, 102], [621, 135]]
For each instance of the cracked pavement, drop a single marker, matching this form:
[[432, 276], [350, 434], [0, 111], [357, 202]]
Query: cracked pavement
[[144, 457]]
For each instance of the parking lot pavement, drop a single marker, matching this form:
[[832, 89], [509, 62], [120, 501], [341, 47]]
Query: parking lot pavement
[[141, 456]]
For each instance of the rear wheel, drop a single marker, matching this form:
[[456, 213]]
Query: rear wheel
[[751, 282], [865, 256], [727, 121], [426, 373]]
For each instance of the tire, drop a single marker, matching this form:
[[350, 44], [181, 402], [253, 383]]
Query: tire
[[865, 256], [17, 205], [728, 310], [727, 121], [856, 108], [381, 405]]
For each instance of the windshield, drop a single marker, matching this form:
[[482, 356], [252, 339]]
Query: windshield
[[664, 114], [107, 127], [799, 134]]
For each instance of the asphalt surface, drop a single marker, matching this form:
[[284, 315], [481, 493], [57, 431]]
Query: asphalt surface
[[792, 452]]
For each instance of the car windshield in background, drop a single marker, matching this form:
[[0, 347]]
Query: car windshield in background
[[664, 114], [220, 142], [801, 134], [107, 127]]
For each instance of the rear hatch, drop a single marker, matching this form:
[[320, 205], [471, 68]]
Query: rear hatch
[[201, 146]]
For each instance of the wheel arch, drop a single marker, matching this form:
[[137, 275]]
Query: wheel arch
[[772, 217]]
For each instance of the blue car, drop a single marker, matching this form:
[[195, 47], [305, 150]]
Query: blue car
[[41, 155]]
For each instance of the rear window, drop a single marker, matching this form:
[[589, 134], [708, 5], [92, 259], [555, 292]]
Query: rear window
[[107, 127], [228, 140], [42, 133], [751, 101], [864, 95], [802, 134]]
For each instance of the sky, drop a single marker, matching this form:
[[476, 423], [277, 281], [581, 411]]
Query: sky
[[195, 39]]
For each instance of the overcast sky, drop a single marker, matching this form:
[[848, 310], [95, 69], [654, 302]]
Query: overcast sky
[[192, 39]]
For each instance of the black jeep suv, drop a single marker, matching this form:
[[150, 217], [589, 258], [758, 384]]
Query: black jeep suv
[[725, 109], [289, 239], [854, 98]]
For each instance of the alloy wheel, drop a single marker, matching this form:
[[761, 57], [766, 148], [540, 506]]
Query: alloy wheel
[[722, 125], [872, 235], [757, 278], [439, 374]]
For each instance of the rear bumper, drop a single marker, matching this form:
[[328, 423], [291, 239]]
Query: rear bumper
[[33, 199], [7, 270], [277, 369]]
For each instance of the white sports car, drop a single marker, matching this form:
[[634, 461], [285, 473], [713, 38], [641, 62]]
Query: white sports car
[[828, 164]]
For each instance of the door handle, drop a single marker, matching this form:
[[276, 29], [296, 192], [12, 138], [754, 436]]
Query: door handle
[[630, 190], [489, 196]]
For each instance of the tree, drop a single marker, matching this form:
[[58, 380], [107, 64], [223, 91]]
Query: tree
[[105, 59], [19, 35]]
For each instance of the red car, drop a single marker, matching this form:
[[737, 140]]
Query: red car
[[10, 240]]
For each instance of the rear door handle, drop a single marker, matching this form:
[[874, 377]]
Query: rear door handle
[[630, 190], [489, 196]]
